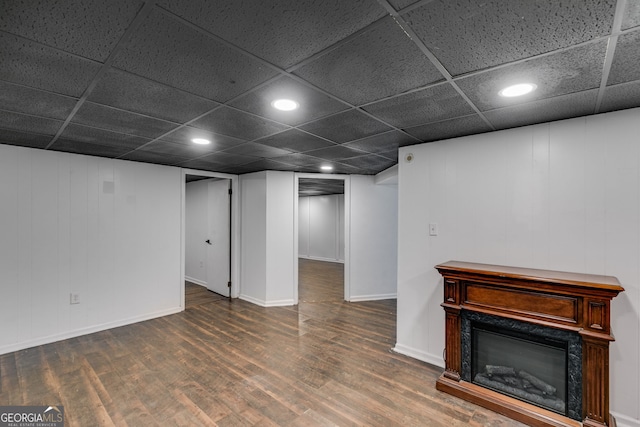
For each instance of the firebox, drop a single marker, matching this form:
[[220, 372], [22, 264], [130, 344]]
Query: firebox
[[532, 363]]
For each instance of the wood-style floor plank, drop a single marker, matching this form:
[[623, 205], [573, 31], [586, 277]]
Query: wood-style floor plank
[[227, 362]]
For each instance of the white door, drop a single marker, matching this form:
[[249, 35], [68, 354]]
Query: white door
[[218, 237]]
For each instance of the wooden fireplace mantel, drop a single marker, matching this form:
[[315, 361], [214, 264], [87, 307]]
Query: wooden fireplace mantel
[[569, 301]]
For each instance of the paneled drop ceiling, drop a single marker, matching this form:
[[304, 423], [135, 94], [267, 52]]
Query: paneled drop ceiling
[[137, 80]]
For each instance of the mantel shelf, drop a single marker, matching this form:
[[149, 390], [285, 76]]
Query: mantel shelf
[[578, 280]]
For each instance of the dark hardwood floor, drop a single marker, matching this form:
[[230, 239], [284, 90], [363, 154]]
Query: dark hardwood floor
[[195, 295], [320, 281], [231, 363]]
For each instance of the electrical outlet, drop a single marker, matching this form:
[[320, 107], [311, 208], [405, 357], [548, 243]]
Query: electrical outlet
[[74, 298], [433, 229]]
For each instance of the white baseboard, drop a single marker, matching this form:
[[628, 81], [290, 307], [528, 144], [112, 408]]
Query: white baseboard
[[196, 281], [420, 355], [360, 298], [280, 303], [262, 303], [317, 258], [625, 421], [85, 331]]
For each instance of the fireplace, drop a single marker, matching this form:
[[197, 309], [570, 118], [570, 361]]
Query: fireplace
[[530, 344]]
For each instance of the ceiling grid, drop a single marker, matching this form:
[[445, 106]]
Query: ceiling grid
[[138, 80]]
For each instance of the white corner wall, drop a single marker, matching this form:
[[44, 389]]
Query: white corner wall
[[196, 227], [107, 230], [561, 196], [373, 241], [280, 235], [253, 237], [267, 238], [321, 227]]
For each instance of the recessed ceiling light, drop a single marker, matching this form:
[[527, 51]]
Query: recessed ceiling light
[[517, 90], [326, 167], [284, 104], [200, 141]]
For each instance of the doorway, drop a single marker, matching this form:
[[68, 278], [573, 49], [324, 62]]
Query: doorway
[[321, 237], [209, 234]]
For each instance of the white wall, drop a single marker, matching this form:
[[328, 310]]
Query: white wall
[[561, 196], [321, 227], [106, 229], [253, 237], [280, 234], [304, 212], [267, 238], [196, 228], [374, 237]]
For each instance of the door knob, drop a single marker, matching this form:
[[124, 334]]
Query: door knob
[[208, 241]]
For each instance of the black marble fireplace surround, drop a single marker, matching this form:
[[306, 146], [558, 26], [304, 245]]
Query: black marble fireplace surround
[[571, 341]]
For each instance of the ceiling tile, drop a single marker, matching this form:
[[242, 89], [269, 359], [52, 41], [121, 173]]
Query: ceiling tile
[[337, 152], [81, 147], [573, 70], [153, 157], [347, 126], [38, 66], [381, 62], [185, 134], [544, 110], [175, 54], [235, 170], [626, 95], [370, 164], [401, 4], [384, 142], [265, 164], [26, 100], [467, 35], [449, 128], [433, 104], [96, 115], [313, 104], [89, 30], [284, 32], [228, 159], [24, 139], [235, 123], [130, 92], [631, 15], [626, 59], [341, 168], [84, 134], [200, 165], [393, 155], [298, 159], [186, 151], [30, 124], [295, 140], [258, 150]]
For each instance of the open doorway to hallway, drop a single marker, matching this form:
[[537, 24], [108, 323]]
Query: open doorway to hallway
[[321, 239]]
